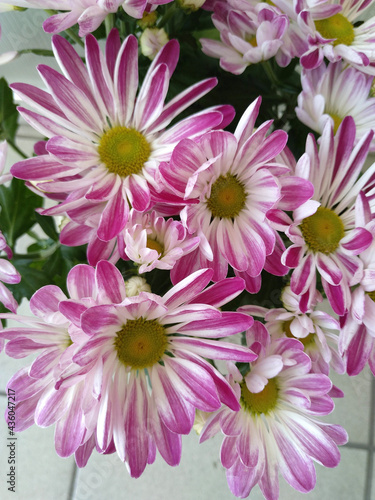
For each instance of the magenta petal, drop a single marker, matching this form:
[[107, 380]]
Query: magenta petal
[[114, 217], [194, 383], [360, 240], [359, 351], [72, 311], [70, 428], [98, 319], [168, 443], [81, 281], [220, 293], [328, 269], [188, 288], [51, 407], [111, 285], [303, 275], [230, 323], [216, 350], [336, 296], [176, 413]]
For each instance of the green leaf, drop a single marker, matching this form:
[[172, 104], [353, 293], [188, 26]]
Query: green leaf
[[32, 279], [8, 112], [48, 225], [18, 206]]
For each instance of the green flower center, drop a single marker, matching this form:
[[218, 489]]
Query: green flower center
[[337, 27], [123, 151], [252, 40], [306, 341], [155, 245], [227, 198], [141, 343], [371, 295], [323, 231], [260, 402]]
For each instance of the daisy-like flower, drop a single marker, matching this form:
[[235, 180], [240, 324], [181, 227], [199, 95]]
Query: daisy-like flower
[[153, 242], [248, 36], [324, 233], [357, 336], [89, 14], [151, 373], [332, 31], [55, 339], [276, 428], [332, 92], [227, 184], [314, 328], [106, 141]]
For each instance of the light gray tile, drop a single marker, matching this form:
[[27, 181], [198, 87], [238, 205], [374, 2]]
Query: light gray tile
[[345, 482], [353, 410], [200, 476], [40, 472]]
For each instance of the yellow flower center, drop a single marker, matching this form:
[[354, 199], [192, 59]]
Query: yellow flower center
[[337, 27], [323, 231], [123, 151], [155, 245], [306, 341], [260, 402], [252, 40], [371, 295], [336, 121], [141, 343], [227, 198]]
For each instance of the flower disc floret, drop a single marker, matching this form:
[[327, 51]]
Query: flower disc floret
[[155, 245], [323, 231], [124, 150], [260, 402], [140, 343], [228, 197], [337, 27]]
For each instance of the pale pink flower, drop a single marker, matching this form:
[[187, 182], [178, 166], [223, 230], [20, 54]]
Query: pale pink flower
[[89, 14], [250, 35], [153, 242], [277, 429], [314, 328], [332, 92], [106, 138]]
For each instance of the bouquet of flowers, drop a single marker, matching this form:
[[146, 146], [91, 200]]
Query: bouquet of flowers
[[200, 186]]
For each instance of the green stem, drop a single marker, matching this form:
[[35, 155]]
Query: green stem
[[16, 148], [270, 73], [41, 254], [108, 23], [167, 16]]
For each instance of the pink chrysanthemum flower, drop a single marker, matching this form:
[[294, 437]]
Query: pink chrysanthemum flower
[[276, 428], [332, 92], [55, 339], [248, 35], [228, 194], [153, 242], [227, 183], [357, 336], [314, 328], [150, 370], [106, 140], [89, 14], [332, 31], [324, 233]]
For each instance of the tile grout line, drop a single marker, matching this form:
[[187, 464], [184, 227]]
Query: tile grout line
[[73, 482], [370, 453]]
